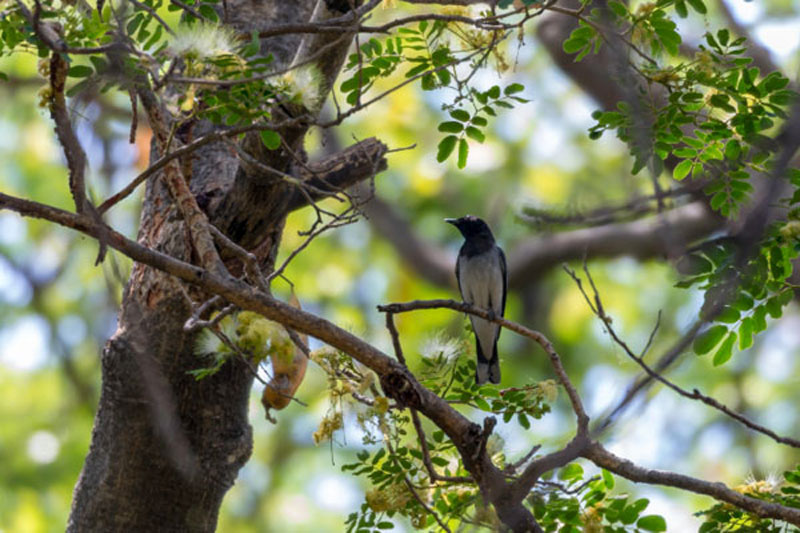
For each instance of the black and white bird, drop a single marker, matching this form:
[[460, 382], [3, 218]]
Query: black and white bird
[[482, 280]]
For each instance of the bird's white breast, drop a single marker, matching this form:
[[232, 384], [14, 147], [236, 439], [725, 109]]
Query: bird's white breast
[[481, 280]]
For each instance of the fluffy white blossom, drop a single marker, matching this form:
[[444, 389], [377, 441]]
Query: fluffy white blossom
[[304, 86], [440, 345], [202, 40]]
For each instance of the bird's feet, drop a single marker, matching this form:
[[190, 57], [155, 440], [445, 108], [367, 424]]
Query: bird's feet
[[492, 315]]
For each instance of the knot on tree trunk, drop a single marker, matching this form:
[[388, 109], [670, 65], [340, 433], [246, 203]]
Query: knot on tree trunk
[[398, 385]]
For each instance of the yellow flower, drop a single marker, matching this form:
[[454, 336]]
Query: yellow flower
[[328, 425]]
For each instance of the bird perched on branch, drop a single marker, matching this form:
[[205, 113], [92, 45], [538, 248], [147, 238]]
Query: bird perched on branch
[[482, 280]]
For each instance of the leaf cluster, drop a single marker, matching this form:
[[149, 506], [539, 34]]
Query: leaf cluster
[[725, 517], [739, 298], [577, 505]]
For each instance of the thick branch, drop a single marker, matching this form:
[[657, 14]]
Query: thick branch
[[551, 461], [644, 238], [605, 459], [356, 163]]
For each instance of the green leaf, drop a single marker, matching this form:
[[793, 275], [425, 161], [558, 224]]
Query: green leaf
[[208, 12], [760, 319], [349, 85], [682, 169], [463, 153], [422, 67], [476, 134], [774, 307], [446, 147], [693, 265], [439, 461], [459, 114], [428, 82], [482, 404], [728, 315], [652, 522], [513, 89], [77, 88], [746, 333], [479, 121], [608, 479], [80, 71], [743, 302], [571, 472], [618, 8], [99, 63], [451, 127], [680, 9], [706, 341], [725, 350], [733, 149], [632, 511], [572, 46], [698, 6], [720, 100], [270, 139], [685, 152], [378, 456], [776, 263]]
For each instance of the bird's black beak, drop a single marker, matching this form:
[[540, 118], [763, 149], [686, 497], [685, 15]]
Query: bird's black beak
[[453, 221]]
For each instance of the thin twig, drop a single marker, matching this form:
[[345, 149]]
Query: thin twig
[[639, 359], [426, 455], [424, 505], [249, 260], [398, 349], [189, 10], [544, 342], [153, 13]]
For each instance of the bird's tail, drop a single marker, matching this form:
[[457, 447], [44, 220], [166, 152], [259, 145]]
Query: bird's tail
[[487, 370]]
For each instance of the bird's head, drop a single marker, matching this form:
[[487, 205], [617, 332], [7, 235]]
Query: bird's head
[[471, 226]]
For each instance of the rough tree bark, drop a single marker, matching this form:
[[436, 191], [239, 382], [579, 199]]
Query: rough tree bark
[[165, 448]]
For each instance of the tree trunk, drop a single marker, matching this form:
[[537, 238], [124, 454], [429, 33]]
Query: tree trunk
[[166, 448]]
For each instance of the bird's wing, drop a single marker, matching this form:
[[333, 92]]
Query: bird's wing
[[504, 271], [458, 273]]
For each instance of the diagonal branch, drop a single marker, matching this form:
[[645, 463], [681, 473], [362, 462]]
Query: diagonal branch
[[539, 338], [598, 310], [644, 380], [642, 239], [354, 164], [465, 434], [196, 222], [596, 453], [73, 151]]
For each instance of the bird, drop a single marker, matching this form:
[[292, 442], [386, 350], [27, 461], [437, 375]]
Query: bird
[[483, 282]]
